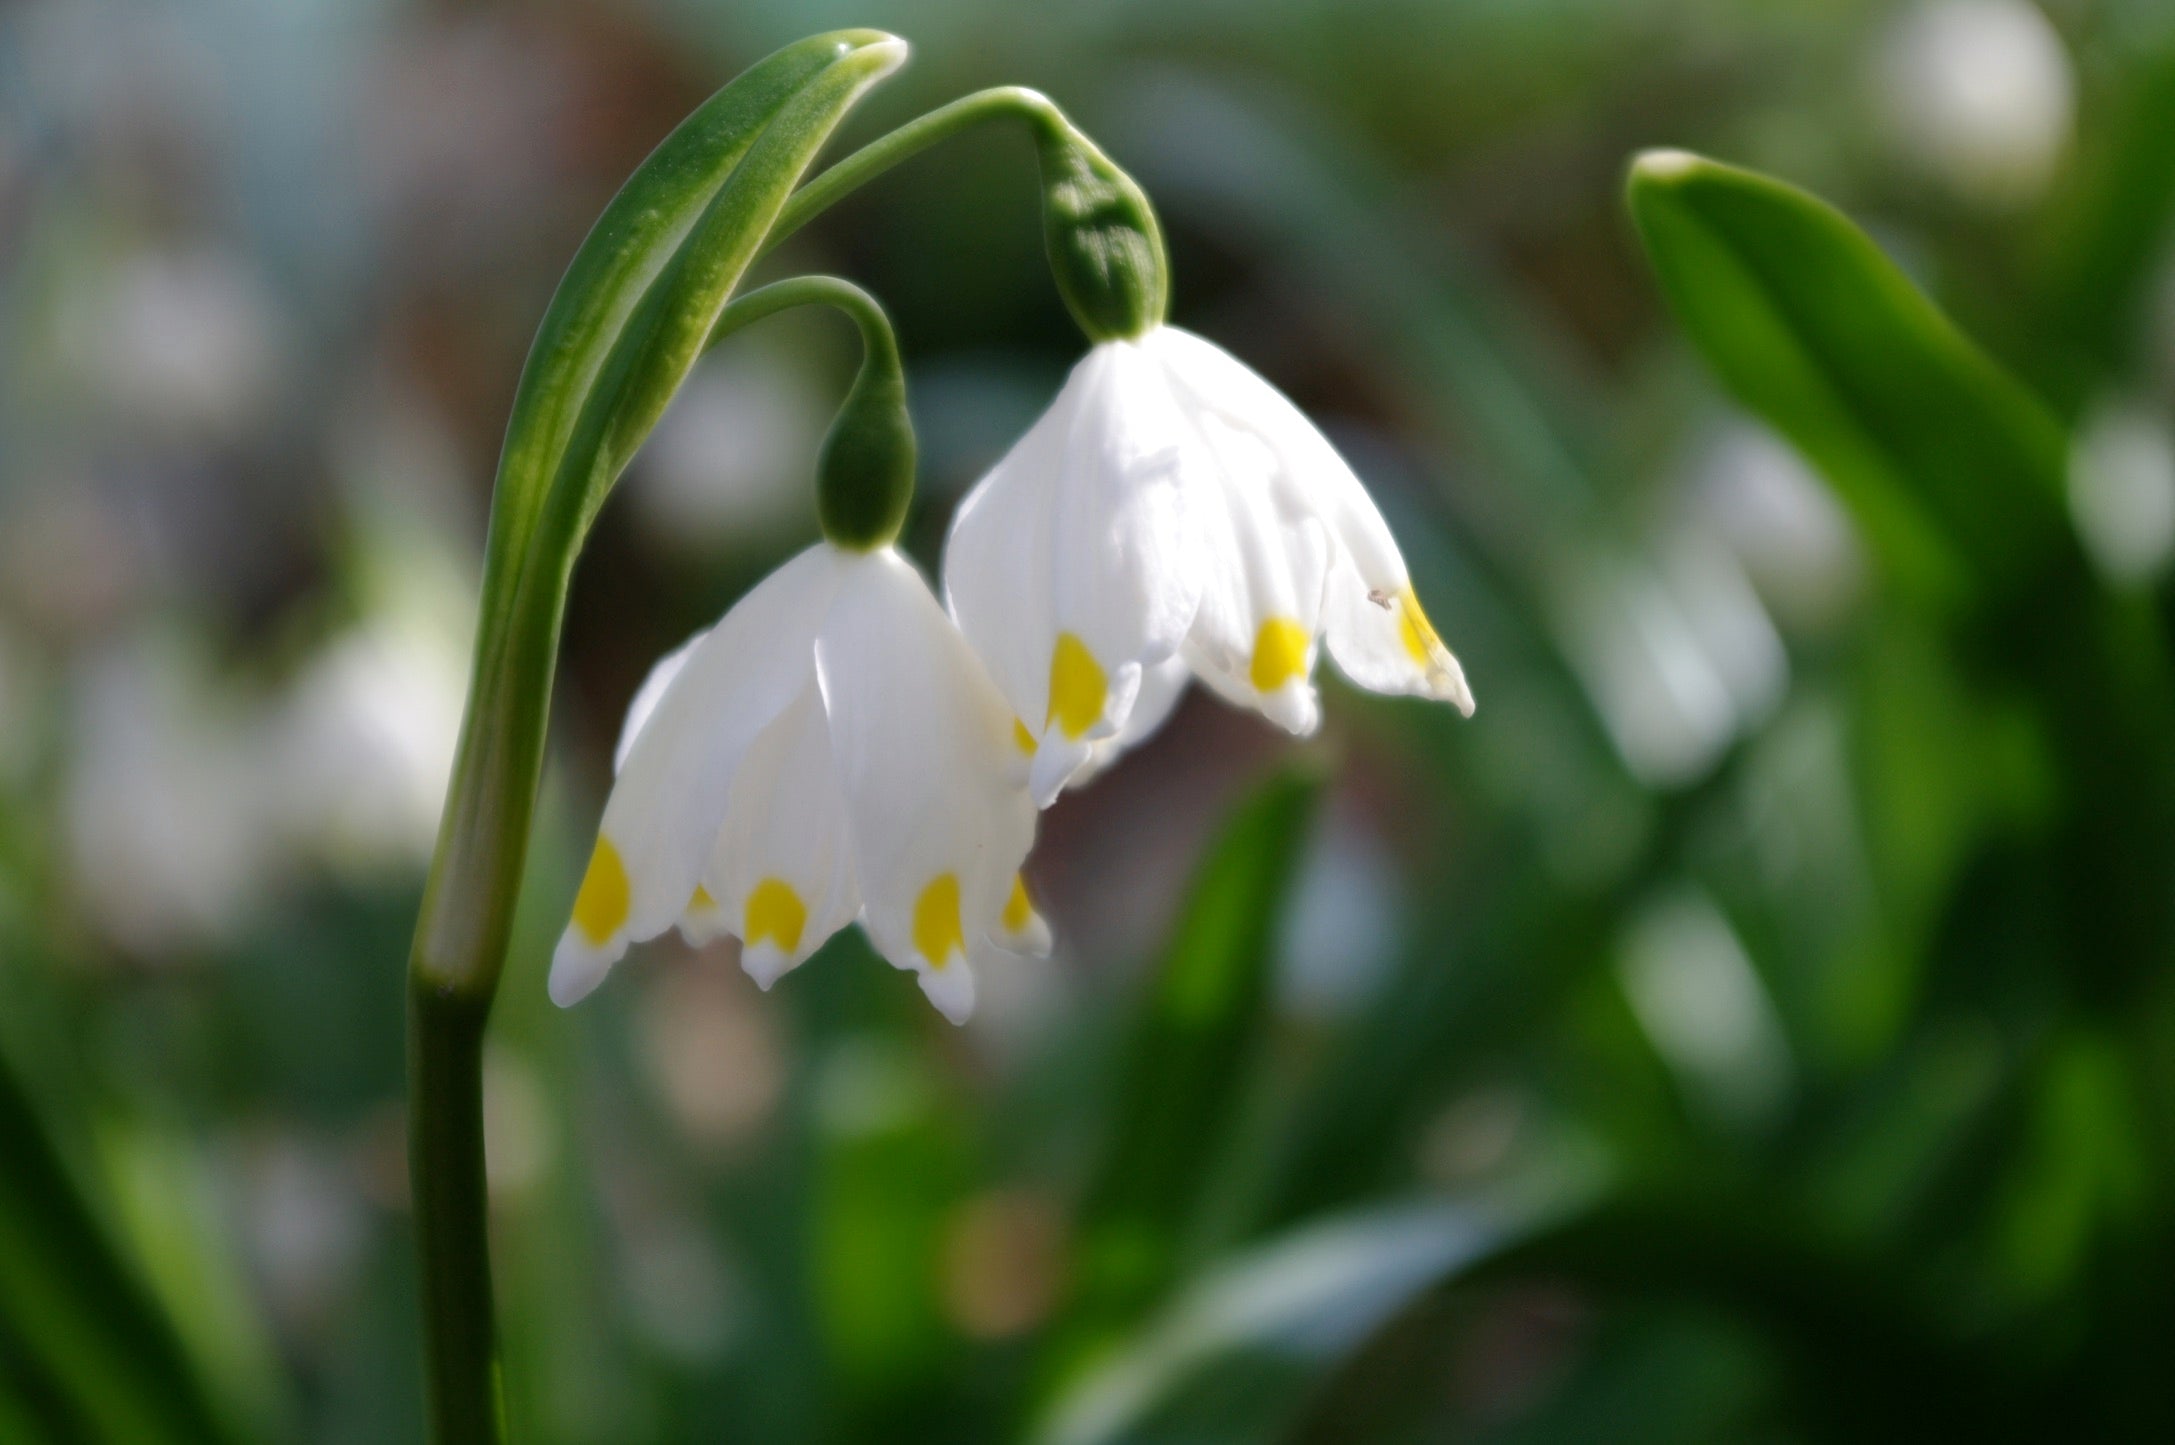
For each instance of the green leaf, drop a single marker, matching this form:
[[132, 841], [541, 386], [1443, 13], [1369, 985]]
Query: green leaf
[[79, 1312], [1182, 1081], [1953, 471], [622, 256]]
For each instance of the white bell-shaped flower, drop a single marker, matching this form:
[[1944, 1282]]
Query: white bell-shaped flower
[[830, 750], [1172, 512]]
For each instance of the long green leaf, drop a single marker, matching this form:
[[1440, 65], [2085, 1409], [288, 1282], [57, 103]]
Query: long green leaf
[[623, 254], [1953, 470], [1183, 1077]]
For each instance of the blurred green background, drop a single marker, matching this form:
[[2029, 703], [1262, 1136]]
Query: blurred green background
[[1756, 1024]]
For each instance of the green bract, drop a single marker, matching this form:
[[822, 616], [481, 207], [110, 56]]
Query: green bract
[[1105, 247]]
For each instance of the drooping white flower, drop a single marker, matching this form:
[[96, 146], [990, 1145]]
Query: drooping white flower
[[831, 750], [1171, 504]]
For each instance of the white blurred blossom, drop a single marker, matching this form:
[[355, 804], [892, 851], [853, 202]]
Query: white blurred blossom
[[182, 338], [166, 803], [1705, 1008], [730, 460], [1791, 536], [1680, 657], [305, 1224], [365, 739], [1979, 95], [2122, 490]]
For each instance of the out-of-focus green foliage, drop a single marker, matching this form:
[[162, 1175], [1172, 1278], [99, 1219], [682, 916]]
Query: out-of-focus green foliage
[[1757, 1022]]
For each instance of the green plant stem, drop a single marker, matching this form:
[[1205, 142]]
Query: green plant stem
[[1014, 102], [445, 1067], [833, 291]]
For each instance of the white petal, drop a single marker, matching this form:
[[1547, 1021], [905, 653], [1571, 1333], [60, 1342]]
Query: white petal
[[1383, 641], [1378, 635], [669, 802], [1019, 928], [648, 695], [923, 743], [951, 989], [781, 875], [1070, 566], [1253, 640], [1160, 688]]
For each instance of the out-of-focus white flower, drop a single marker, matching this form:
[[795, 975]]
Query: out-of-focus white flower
[[1704, 1006], [726, 459], [1794, 540], [1171, 504], [366, 742], [1678, 654], [830, 750], [1979, 94], [188, 339], [169, 828], [2122, 490]]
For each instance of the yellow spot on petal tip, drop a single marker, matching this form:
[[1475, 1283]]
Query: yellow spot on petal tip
[[1018, 911], [1078, 686], [1280, 653], [937, 935], [1416, 632], [600, 908], [1022, 739], [774, 912], [701, 899]]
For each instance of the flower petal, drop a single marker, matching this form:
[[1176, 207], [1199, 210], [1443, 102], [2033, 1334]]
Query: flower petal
[[1377, 632], [923, 742], [669, 802], [1261, 602], [781, 874], [1071, 565]]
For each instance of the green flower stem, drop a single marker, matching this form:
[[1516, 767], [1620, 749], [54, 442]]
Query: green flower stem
[[865, 477], [1105, 244], [1004, 102], [833, 291]]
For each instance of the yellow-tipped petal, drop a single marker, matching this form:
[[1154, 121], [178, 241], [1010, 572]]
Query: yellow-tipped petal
[[937, 934], [775, 912], [600, 908], [1415, 631], [1018, 911], [1280, 653], [1078, 686]]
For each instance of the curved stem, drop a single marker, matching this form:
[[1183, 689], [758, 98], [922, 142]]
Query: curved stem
[[877, 341], [1016, 102]]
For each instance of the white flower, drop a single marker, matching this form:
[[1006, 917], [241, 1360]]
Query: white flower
[[1174, 512], [831, 750]]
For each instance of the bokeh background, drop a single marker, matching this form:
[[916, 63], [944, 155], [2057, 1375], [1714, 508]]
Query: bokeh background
[[1689, 1047]]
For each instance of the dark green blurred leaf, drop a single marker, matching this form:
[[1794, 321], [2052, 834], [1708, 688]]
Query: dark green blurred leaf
[[84, 1319], [1198, 1030], [1952, 470]]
